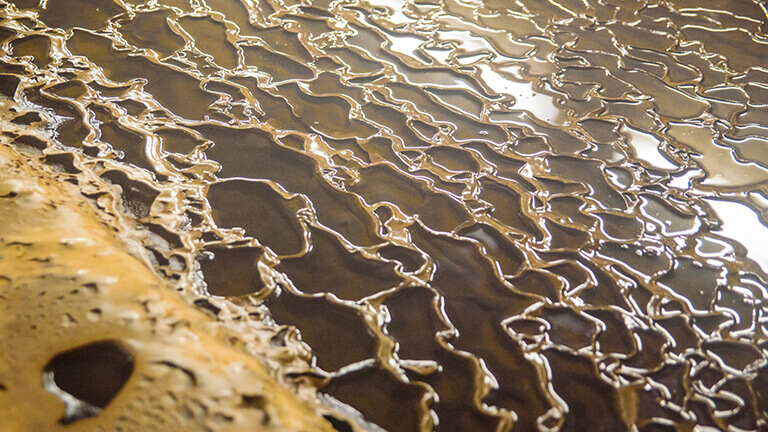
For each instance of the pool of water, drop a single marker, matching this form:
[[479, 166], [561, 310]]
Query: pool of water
[[476, 215]]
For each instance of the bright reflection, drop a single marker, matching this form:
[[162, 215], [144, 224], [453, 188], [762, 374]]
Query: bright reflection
[[742, 224], [526, 97], [646, 148]]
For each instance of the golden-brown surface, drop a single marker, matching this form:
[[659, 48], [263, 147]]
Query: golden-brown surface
[[448, 215], [67, 280]]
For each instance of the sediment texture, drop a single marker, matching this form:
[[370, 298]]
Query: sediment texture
[[93, 340], [475, 216]]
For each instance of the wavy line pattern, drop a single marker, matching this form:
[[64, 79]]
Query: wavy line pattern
[[480, 215]]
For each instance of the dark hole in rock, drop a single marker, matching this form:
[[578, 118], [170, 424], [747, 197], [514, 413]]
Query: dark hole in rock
[[63, 161], [137, 195], [254, 402], [88, 378], [339, 425], [8, 85], [207, 305], [27, 118], [30, 141]]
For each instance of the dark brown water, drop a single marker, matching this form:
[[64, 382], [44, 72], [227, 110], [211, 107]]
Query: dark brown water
[[480, 216]]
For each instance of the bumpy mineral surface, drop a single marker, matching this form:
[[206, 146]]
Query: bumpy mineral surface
[[94, 340]]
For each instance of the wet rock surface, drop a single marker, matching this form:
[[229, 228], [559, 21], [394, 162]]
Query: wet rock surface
[[460, 215], [93, 339]]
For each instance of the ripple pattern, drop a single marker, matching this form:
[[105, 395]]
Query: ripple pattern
[[479, 215]]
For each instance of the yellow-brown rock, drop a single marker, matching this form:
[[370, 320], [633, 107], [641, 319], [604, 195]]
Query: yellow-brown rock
[[67, 281]]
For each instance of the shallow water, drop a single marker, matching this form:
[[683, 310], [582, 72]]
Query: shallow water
[[540, 215]]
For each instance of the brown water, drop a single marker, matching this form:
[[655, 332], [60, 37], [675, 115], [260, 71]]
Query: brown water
[[480, 216]]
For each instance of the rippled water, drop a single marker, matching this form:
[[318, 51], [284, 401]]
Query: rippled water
[[479, 215]]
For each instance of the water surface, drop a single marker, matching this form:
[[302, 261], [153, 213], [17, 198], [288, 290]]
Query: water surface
[[479, 215]]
